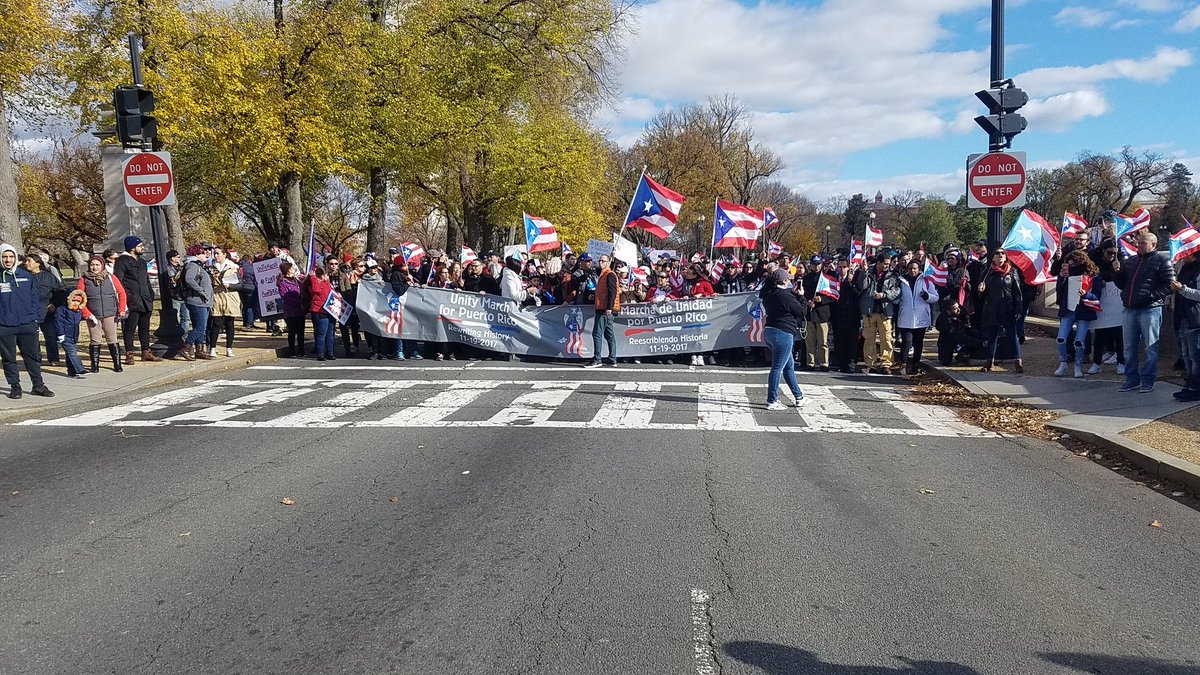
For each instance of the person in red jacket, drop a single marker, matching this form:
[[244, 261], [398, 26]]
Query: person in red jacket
[[317, 289], [696, 285], [106, 303]]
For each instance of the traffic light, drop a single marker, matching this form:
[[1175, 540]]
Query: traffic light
[[106, 121], [1003, 123], [133, 105]]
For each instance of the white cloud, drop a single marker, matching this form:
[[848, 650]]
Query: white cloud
[[1126, 23], [1059, 112], [1152, 6], [1083, 17], [1158, 68], [1189, 22]]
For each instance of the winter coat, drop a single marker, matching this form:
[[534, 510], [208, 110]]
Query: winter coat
[[291, 297], [49, 290], [19, 301], [844, 311], [914, 309], [511, 286], [608, 292], [130, 270], [249, 279], [782, 308], [227, 301], [1145, 280], [1000, 302], [198, 287], [66, 323], [869, 282], [318, 290], [820, 311], [105, 300], [1187, 301]]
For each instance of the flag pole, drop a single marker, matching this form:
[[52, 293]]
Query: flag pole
[[629, 212], [712, 246]]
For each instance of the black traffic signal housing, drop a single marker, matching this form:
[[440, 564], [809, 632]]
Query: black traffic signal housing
[[1002, 124], [136, 127]]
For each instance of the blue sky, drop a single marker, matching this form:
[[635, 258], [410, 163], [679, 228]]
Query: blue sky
[[867, 95]]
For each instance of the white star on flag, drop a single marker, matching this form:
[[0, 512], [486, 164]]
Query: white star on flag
[[1025, 233], [649, 206]]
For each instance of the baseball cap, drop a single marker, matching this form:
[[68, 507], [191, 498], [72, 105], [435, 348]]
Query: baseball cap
[[816, 260], [585, 257]]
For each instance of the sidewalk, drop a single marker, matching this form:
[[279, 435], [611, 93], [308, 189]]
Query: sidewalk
[[1092, 409], [250, 348]]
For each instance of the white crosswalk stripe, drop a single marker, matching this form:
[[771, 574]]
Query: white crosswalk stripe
[[551, 404]]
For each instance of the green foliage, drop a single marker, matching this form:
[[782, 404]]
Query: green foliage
[[933, 225], [970, 225]]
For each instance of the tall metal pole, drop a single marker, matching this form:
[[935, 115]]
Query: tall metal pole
[[995, 216], [169, 333]]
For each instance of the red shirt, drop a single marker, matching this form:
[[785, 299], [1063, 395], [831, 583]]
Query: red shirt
[[318, 292]]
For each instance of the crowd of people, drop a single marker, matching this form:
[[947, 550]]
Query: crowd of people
[[850, 314]]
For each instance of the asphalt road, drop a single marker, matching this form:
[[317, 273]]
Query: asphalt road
[[555, 520]]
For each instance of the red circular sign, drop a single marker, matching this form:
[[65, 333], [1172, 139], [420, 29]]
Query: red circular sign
[[148, 179], [997, 179]]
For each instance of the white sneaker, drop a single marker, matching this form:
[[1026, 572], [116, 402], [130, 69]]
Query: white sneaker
[[213, 352], [1078, 370], [1094, 370], [697, 360], [776, 405], [229, 352], [1061, 370], [1120, 368], [1110, 358], [801, 401]]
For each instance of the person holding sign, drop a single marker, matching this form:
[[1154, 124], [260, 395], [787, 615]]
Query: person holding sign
[[1078, 295]]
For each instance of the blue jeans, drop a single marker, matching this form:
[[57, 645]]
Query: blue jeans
[[1190, 339], [1141, 324], [71, 352], [1064, 331], [185, 317], [249, 310], [604, 331], [322, 334], [199, 317], [782, 365], [1010, 336]]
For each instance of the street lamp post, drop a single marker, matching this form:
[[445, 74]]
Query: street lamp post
[[826, 240]]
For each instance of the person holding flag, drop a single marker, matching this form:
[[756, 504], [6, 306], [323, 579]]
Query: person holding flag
[[820, 304], [785, 314], [1187, 321], [1145, 281], [1078, 295], [913, 313]]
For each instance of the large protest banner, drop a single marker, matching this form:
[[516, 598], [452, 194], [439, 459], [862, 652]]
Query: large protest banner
[[266, 275], [563, 331]]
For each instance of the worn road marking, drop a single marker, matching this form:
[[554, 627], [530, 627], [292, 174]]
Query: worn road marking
[[703, 657]]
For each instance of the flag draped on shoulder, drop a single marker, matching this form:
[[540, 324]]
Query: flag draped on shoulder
[[828, 286], [1072, 225], [1185, 242], [540, 234], [655, 208], [1031, 244], [735, 226], [874, 237]]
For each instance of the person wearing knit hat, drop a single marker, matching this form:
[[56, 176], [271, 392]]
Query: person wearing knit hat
[[783, 315], [20, 311], [131, 271]]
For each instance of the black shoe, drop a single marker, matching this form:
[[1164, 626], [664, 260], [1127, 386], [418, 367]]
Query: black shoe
[[824, 369], [1189, 396], [15, 392], [41, 390], [331, 357]]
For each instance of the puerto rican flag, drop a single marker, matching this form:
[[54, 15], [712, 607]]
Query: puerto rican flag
[[655, 208], [467, 255], [828, 286], [540, 234], [757, 321], [735, 226], [639, 275], [1127, 225], [874, 237], [935, 275], [770, 220], [1127, 249], [566, 250], [717, 270], [972, 256], [1072, 225], [858, 255], [1092, 303], [1030, 245], [1185, 242], [413, 253], [676, 280], [774, 248]]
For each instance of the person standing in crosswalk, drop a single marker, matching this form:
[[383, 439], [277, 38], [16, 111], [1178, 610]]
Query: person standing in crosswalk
[[784, 316], [608, 305]]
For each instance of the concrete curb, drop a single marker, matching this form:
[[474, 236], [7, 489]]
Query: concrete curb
[[1154, 462], [945, 375], [192, 370]]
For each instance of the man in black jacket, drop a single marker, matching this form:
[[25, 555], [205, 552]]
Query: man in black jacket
[[130, 270], [816, 339], [1145, 281], [1187, 324]]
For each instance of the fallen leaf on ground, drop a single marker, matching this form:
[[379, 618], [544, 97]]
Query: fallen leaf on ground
[[185, 534], [1156, 524], [465, 472], [1178, 493], [925, 491], [16, 492], [394, 500], [287, 501]]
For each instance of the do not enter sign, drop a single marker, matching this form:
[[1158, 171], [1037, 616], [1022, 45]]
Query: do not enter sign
[[996, 180], [148, 180]]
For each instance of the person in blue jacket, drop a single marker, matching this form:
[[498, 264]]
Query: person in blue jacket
[[20, 312], [66, 323]]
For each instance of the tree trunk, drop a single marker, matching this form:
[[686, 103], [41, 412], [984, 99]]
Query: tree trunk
[[293, 218], [377, 211], [10, 214], [174, 228]]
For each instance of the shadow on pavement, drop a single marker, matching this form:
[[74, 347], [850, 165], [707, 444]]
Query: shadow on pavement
[[783, 660], [1103, 664]]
